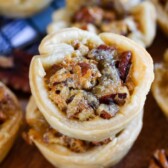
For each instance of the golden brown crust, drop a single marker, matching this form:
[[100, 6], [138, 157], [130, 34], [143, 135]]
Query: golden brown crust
[[19, 8], [58, 44], [10, 127]]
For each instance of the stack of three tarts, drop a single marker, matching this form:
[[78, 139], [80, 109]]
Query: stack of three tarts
[[88, 93]]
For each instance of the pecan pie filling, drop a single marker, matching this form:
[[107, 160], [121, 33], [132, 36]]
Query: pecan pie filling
[[42, 131], [92, 82], [7, 106], [104, 18]]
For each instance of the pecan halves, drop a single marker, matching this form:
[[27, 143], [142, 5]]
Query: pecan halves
[[124, 64], [159, 159]]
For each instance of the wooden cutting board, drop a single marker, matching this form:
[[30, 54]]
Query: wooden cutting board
[[154, 134]]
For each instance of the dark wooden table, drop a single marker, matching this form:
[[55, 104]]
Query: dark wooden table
[[154, 134]]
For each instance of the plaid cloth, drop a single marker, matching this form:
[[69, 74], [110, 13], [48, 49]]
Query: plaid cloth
[[26, 33]]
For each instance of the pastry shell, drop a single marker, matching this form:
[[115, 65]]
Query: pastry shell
[[144, 11], [19, 8], [101, 156], [162, 16], [159, 86], [54, 48], [9, 129]]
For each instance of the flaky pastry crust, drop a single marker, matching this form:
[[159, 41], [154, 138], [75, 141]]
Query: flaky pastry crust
[[9, 129]]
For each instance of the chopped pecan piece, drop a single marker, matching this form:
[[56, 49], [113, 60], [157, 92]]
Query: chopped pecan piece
[[51, 71], [59, 94], [84, 67], [80, 108], [160, 159], [85, 75], [108, 99], [107, 111], [60, 76], [88, 15], [105, 115], [124, 64]]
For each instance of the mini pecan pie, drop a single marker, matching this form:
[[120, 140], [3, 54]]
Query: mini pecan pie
[[162, 13], [10, 120], [22, 8], [88, 85], [64, 151], [109, 16], [159, 86]]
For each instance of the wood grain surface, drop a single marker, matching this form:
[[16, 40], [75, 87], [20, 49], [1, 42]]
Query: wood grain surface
[[154, 134]]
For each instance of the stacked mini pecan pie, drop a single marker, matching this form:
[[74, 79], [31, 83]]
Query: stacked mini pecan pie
[[88, 93], [109, 16]]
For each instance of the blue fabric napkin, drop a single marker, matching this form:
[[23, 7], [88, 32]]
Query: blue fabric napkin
[[25, 34]]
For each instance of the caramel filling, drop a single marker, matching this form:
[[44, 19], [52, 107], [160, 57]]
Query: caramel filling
[[92, 82]]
